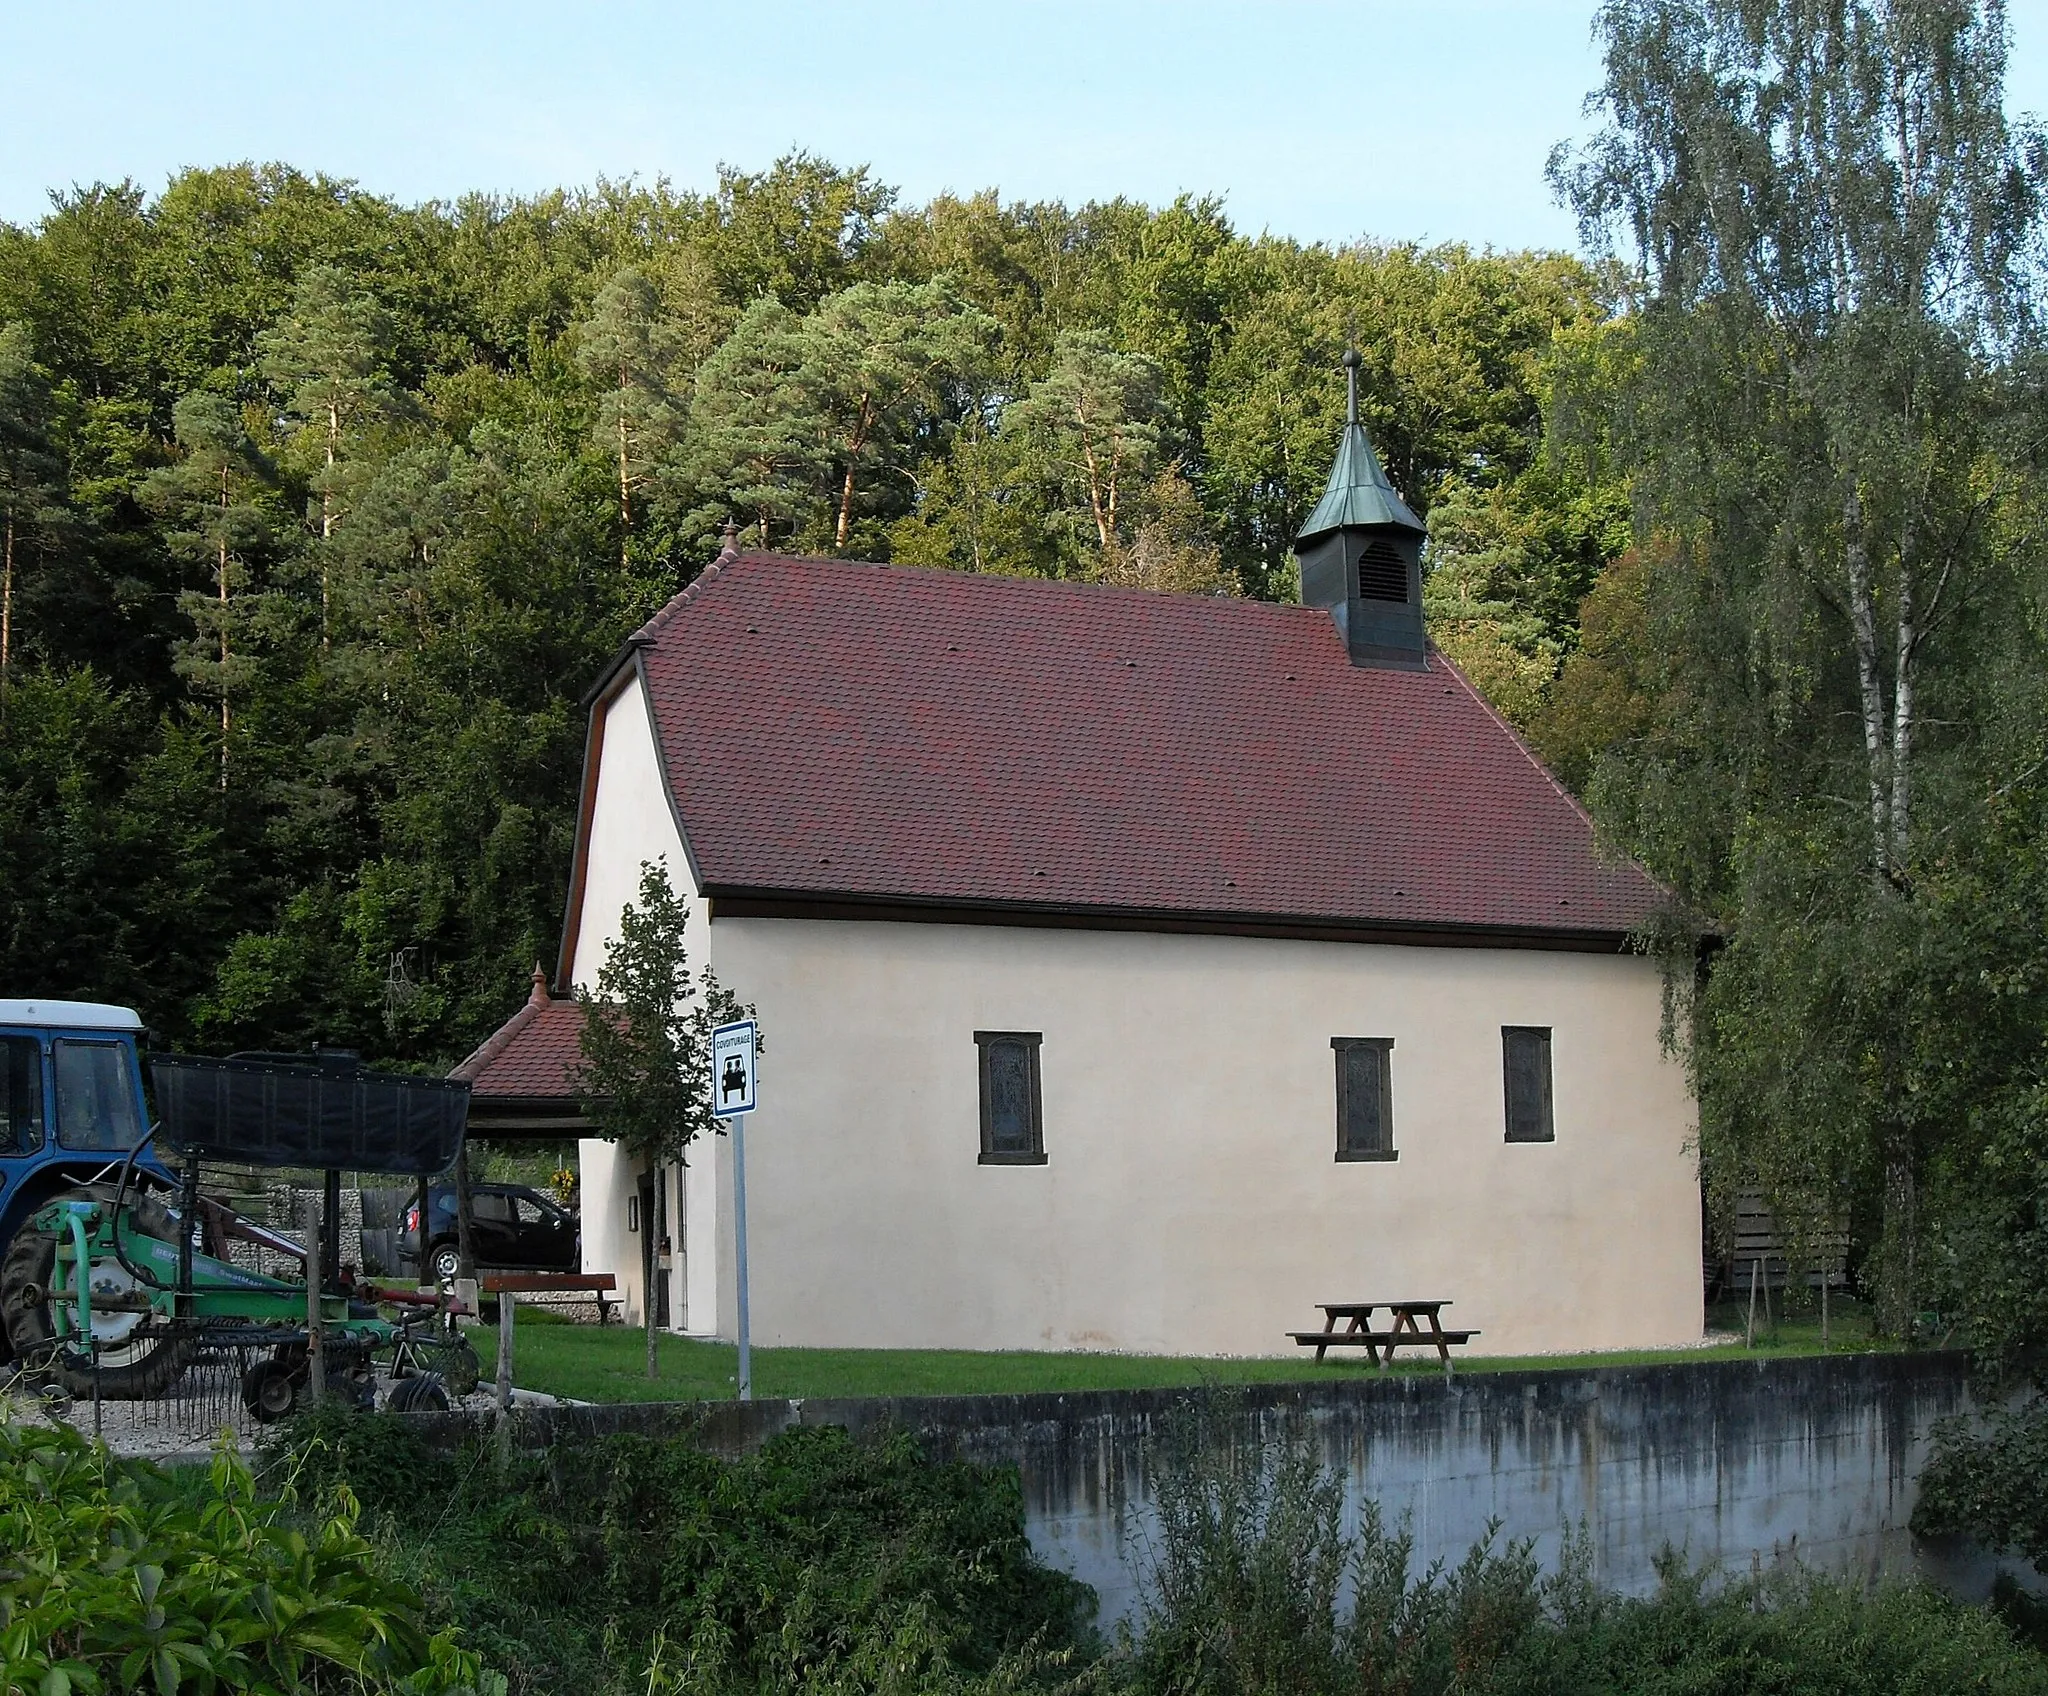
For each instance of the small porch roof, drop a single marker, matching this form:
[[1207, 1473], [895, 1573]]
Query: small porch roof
[[522, 1078]]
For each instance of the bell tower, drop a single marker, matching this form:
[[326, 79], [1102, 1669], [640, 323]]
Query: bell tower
[[1361, 552]]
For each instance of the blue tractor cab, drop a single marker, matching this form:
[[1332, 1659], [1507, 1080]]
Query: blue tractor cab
[[71, 1105]]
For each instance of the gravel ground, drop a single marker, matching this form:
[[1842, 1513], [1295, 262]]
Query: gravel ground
[[186, 1426]]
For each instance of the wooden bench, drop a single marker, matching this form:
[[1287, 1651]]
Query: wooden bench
[[1405, 1329], [597, 1285]]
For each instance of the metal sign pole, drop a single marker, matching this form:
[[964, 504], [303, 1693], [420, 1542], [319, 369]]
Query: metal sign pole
[[733, 1097], [739, 1239]]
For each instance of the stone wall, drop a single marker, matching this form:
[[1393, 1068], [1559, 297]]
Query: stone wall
[[1729, 1462]]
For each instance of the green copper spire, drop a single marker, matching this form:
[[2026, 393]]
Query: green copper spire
[[1358, 491]]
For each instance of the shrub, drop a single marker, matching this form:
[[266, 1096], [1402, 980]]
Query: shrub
[[1986, 1482], [116, 1575], [1257, 1588], [819, 1563]]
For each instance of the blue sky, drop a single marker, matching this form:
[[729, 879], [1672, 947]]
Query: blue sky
[[1399, 119]]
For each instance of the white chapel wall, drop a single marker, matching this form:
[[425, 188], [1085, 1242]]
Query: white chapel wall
[[1191, 1202], [630, 823]]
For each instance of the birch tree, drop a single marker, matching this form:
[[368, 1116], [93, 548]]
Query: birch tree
[[1835, 233], [1827, 197]]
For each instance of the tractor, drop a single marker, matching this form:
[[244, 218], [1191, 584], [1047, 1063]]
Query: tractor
[[114, 1268]]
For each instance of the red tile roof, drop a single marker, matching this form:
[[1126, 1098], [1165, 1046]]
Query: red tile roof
[[840, 730], [533, 1054]]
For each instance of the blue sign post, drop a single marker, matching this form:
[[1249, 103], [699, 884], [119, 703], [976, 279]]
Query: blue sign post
[[732, 1099]]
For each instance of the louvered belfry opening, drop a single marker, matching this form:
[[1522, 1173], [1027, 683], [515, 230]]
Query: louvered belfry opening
[[1382, 572], [1361, 552]]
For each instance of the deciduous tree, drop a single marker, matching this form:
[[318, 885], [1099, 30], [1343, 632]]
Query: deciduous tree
[[646, 1045]]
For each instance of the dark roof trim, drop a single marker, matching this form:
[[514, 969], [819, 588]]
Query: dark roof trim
[[785, 904], [499, 1107], [600, 704], [668, 786], [628, 652], [631, 668]]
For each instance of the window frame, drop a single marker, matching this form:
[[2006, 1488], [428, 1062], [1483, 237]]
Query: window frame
[[1507, 1068], [1388, 1150], [124, 1065], [38, 1095], [1032, 1041]]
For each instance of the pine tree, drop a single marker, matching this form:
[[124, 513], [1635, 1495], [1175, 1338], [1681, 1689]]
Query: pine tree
[[208, 497], [630, 347], [1097, 415], [756, 434], [329, 359], [878, 362]]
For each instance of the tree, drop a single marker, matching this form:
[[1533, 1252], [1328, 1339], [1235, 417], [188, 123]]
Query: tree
[[756, 440], [329, 358], [628, 346], [1833, 226], [1096, 413], [877, 362], [31, 474], [646, 1042], [209, 495], [1169, 547]]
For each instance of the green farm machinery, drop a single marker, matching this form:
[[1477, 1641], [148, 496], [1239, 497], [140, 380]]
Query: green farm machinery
[[115, 1267]]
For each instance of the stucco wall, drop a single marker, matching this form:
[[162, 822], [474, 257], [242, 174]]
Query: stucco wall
[[1191, 1202], [631, 824]]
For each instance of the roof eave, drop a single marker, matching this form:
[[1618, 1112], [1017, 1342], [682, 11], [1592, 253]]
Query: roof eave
[[741, 901]]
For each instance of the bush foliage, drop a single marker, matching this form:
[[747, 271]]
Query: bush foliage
[[819, 1563], [116, 1575], [361, 1560]]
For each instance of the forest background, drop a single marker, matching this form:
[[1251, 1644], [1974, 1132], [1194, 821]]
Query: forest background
[[321, 512]]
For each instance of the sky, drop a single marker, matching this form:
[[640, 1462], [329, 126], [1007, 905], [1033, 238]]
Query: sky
[[1420, 120]]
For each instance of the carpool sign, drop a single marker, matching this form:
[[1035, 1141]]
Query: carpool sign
[[732, 1069], [732, 1097]]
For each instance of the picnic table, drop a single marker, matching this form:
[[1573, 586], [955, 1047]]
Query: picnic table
[[1410, 1324]]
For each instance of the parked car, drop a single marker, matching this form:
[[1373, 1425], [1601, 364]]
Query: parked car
[[516, 1229]]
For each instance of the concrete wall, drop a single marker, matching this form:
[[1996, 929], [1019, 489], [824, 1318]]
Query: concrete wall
[[1191, 1201], [1728, 1462]]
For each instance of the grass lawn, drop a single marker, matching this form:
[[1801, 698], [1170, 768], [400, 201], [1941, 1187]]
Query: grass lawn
[[609, 1364]]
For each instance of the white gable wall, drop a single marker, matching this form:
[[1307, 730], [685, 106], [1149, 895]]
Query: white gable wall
[[630, 824], [1191, 1202]]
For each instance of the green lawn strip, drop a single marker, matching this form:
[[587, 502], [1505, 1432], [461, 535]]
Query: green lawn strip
[[608, 1364]]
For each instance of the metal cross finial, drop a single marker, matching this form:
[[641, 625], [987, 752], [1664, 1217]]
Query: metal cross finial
[[1351, 365]]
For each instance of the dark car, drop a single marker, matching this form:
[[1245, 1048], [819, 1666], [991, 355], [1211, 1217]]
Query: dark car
[[515, 1229]]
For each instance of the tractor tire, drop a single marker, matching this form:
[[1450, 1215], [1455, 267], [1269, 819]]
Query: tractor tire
[[135, 1371], [271, 1389], [423, 1394]]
